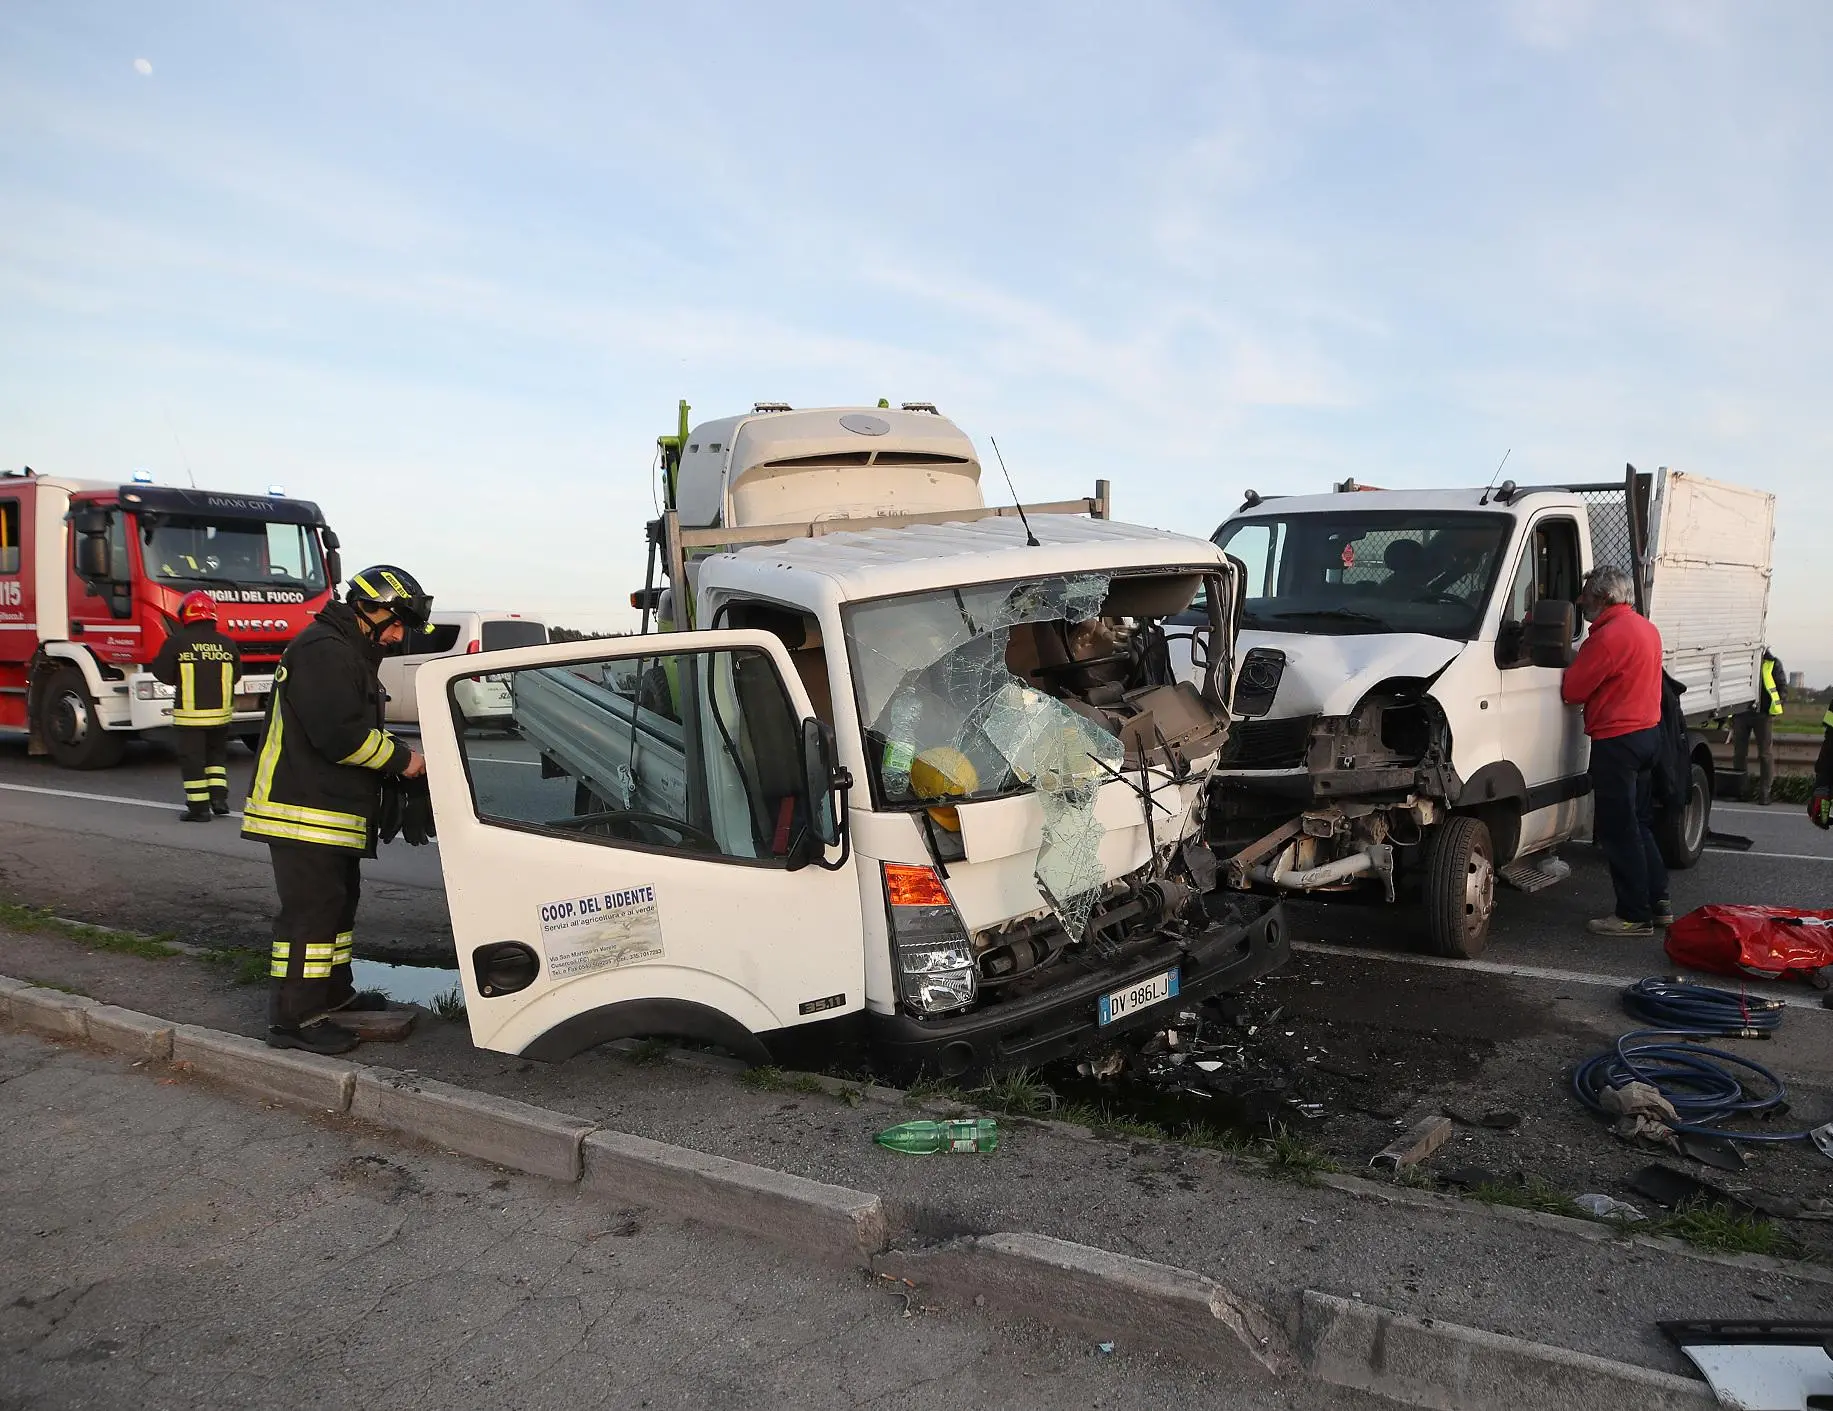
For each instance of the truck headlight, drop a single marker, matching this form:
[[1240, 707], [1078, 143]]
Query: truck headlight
[[935, 962], [150, 690]]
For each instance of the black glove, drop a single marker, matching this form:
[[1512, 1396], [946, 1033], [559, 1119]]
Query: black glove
[[392, 813], [417, 826]]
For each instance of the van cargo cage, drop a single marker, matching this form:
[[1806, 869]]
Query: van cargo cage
[[1618, 516], [676, 543]]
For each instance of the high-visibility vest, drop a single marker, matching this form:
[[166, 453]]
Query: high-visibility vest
[[1770, 693]]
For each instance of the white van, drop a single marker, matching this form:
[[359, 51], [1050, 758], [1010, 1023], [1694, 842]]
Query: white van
[[460, 634]]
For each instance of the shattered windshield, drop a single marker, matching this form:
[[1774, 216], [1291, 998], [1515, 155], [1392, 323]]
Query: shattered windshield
[[949, 688], [1351, 571]]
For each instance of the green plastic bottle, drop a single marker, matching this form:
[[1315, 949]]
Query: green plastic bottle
[[922, 1138]]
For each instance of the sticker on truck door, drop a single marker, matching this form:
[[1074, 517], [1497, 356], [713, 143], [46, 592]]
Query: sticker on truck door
[[601, 931]]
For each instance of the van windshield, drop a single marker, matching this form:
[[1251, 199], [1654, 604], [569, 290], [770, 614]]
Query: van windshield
[[245, 552], [1349, 571]]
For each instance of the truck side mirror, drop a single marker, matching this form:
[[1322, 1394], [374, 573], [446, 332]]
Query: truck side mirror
[[822, 782], [1549, 632], [94, 558]]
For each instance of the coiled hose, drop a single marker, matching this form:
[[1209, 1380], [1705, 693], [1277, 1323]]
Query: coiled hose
[[1706, 1086]]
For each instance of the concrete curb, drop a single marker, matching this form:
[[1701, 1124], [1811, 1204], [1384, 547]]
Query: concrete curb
[[50, 1012], [1422, 1362], [1101, 1295], [494, 1129], [832, 1222], [306, 1080], [128, 1031], [1415, 1361]]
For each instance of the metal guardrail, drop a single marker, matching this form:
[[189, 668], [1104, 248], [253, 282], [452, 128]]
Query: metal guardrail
[[1792, 752]]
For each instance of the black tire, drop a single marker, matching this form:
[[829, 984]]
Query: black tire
[[1460, 887], [67, 723], [1680, 833]]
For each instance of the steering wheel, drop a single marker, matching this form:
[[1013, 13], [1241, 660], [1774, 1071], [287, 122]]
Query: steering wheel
[[632, 824]]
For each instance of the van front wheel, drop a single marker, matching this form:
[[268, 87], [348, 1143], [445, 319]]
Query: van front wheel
[[1460, 887]]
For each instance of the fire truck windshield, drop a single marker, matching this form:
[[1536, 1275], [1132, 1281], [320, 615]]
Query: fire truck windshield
[[244, 552]]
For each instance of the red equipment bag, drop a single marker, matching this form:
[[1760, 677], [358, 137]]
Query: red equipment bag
[[1772, 942]]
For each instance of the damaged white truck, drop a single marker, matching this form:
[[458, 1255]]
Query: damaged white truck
[[903, 772], [1400, 732]]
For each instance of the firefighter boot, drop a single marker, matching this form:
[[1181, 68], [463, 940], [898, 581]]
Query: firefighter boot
[[219, 801], [196, 813], [319, 1036]]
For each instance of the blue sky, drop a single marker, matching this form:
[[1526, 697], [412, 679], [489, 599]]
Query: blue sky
[[447, 268]]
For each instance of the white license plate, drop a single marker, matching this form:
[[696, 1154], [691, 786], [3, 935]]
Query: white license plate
[[255, 686], [1141, 994]]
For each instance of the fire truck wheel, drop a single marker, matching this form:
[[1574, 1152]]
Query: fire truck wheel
[[68, 725]]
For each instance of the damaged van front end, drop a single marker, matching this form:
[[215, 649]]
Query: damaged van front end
[[1039, 783]]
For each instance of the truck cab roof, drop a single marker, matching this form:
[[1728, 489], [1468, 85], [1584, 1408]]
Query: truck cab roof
[[1471, 498], [875, 563]]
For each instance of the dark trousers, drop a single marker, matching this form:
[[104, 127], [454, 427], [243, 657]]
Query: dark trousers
[[1743, 727], [309, 968], [1623, 818], [203, 758]]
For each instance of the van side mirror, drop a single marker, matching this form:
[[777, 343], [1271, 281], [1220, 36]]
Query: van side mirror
[[1548, 635], [823, 782], [94, 558]]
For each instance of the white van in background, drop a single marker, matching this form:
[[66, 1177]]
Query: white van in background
[[459, 634]]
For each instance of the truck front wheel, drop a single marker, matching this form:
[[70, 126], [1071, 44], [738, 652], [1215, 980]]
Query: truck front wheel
[[1460, 887], [68, 725]]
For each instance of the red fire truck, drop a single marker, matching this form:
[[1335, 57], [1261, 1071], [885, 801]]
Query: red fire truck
[[90, 579]]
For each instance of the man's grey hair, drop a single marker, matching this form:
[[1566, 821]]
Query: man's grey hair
[[1609, 585]]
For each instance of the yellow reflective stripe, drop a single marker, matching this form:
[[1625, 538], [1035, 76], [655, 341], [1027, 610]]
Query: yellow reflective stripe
[[316, 817], [256, 826], [315, 960], [1769, 685], [377, 749], [215, 771], [220, 716], [270, 747], [341, 955], [187, 686], [1828, 722]]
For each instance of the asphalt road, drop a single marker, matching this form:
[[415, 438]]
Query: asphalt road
[[164, 1246], [108, 847]]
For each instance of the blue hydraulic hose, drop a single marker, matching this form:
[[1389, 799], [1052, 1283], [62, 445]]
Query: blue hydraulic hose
[[1702, 1084], [1681, 1004]]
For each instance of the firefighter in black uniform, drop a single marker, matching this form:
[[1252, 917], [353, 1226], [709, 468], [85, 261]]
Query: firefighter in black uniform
[[317, 792], [202, 664], [1820, 802]]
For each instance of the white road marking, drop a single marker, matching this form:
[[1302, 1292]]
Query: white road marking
[[1491, 967], [92, 798], [492, 759], [1780, 856]]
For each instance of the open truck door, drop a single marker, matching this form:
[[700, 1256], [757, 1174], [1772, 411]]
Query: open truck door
[[650, 842]]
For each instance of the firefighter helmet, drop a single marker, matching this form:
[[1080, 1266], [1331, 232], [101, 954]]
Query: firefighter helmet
[[197, 606], [395, 591]]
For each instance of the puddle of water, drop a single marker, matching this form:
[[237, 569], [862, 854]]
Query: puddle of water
[[409, 984]]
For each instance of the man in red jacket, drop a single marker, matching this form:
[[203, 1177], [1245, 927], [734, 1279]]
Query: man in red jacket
[[1616, 677]]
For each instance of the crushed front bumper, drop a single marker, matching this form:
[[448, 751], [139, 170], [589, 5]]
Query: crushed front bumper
[[1061, 1019]]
